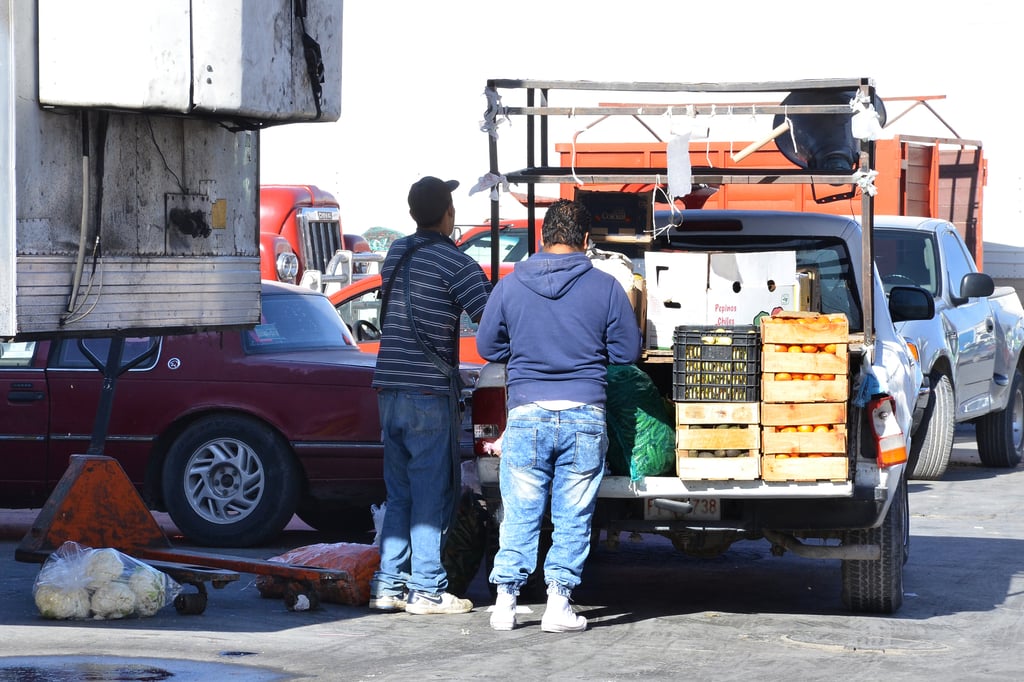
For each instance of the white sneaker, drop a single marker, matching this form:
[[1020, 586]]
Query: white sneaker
[[559, 616], [503, 613], [424, 604]]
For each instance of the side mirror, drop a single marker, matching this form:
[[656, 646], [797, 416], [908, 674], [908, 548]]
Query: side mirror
[[910, 303], [974, 285]]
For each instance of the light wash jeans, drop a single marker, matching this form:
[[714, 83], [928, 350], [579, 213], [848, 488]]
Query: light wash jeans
[[421, 498], [548, 452]]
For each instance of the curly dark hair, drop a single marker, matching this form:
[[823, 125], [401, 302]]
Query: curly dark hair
[[566, 222]]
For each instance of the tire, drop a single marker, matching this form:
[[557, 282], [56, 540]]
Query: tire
[[1000, 435], [933, 442], [876, 585], [341, 520], [230, 481], [534, 589], [466, 543]]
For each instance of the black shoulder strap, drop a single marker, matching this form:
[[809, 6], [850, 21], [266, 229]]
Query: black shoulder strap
[[386, 292]]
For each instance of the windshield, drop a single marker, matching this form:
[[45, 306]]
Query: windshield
[[297, 322]]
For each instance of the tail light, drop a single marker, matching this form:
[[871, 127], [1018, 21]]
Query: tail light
[[890, 444], [488, 417]]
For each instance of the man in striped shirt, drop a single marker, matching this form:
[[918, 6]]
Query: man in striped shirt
[[426, 285]]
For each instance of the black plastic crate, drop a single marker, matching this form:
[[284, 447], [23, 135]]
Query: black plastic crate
[[716, 364]]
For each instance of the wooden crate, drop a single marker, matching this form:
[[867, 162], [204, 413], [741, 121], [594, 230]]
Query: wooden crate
[[717, 413], [781, 468], [790, 327], [743, 468], [821, 391], [776, 441], [783, 372], [721, 437], [735, 453], [775, 357], [795, 414]]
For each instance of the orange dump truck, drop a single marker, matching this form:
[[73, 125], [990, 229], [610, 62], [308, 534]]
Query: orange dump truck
[[919, 176]]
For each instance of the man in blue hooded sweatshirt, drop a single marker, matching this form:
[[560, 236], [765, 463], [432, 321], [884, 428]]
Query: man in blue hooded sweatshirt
[[558, 323]]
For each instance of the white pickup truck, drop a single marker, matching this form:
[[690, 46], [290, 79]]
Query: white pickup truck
[[970, 350], [808, 450], [859, 514]]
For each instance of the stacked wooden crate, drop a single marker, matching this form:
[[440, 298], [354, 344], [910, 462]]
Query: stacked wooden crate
[[804, 393], [715, 387]]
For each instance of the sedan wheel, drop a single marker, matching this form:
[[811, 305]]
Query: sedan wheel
[[230, 481]]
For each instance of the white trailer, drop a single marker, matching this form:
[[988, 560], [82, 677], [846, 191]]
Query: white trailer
[[129, 155]]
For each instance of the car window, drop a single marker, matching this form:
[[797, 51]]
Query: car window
[[907, 258], [511, 247], [958, 263], [366, 308], [16, 354], [362, 308], [69, 355], [297, 322]]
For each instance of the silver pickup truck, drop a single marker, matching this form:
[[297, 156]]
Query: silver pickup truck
[[970, 350]]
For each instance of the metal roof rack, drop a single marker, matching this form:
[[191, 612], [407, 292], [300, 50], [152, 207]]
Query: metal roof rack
[[538, 110]]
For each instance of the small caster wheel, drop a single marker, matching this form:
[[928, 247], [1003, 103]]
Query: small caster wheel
[[190, 604]]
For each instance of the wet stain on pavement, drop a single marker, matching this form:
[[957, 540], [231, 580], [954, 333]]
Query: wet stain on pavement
[[118, 669]]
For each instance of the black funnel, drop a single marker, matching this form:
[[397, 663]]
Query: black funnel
[[823, 142]]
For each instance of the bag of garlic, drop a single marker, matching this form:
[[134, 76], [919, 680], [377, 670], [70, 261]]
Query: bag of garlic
[[79, 582]]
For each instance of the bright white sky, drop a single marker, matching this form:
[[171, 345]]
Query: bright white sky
[[414, 74]]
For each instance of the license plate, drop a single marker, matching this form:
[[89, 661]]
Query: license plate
[[704, 509]]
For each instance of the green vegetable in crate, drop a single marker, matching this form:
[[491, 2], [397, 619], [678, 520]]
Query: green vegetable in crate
[[641, 432]]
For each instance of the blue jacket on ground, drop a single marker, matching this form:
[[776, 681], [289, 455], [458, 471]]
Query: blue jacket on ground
[[569, 321]]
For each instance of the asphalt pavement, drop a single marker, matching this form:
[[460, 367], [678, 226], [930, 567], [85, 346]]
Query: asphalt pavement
[[655, 614]]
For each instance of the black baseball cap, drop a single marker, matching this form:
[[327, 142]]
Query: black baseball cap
[[429, 198]]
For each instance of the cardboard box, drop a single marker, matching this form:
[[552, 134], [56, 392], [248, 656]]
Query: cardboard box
[[676, 294], [742, 286]]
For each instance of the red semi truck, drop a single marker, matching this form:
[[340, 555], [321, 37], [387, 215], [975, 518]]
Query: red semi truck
[[302, 241]]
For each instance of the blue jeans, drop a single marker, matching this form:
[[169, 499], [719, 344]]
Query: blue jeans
[[556, 453], [421, 492]]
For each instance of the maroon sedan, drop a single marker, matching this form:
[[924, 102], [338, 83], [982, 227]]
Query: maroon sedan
[[231, 432]]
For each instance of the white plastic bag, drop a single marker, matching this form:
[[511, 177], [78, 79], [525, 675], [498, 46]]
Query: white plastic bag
[[377, 512], [79, 582]]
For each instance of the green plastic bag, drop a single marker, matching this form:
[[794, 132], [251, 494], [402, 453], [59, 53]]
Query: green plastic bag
[[641, 434]]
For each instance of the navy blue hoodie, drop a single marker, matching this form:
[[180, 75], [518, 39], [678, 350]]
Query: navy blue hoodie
[[558, 323]]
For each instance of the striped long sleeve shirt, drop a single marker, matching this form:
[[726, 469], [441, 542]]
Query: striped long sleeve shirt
[[444, 281]]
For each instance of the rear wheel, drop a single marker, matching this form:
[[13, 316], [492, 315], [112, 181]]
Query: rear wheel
[[1000, 435], [876, 585], [230, 481], [341, 520], [466, 543], [933, 442], [534, 589]]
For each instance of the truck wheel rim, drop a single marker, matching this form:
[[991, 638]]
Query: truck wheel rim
[[224, 481]]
